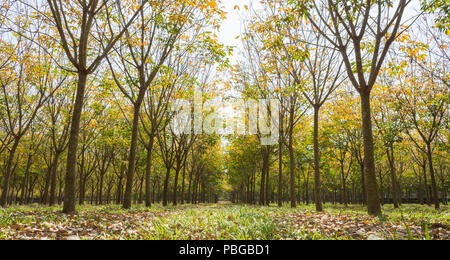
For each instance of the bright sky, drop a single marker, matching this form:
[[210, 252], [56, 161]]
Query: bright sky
[[231, 27]]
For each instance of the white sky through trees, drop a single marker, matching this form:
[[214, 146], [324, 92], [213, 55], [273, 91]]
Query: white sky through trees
[[232, 27]]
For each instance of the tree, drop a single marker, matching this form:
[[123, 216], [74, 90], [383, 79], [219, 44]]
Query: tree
[[78, 25], [323, 65], [26, 84], [159, 30], [423, 110], [389, 126], [58, 108], [363, 33], [424, 113]]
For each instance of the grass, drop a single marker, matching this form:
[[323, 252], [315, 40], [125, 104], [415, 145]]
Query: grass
[[224, 222]]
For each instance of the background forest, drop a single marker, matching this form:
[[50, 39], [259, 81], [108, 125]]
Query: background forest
[[86, 95]]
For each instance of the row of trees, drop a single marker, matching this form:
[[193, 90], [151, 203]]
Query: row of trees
[[87, 88], [317, 56], [91, 82]]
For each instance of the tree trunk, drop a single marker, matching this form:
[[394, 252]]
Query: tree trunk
[[183, 184], [82, 188], [391, 159], [175, 187], [71, 169], [433, 179], [83, 182], [262, 192], [267, 196], [307, 188], [344, 187], [292, 171], [420, 189], [100, 189], [53, 179], [427, 192], [373, 202], [132, 159], [9, 167], [148, 170], [44, 197], [119, 191], [280, 165], [317, 185], [189, 198], [25, 180], [166, 188]]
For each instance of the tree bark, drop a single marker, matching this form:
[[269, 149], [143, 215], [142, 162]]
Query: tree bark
[[373, 202], [148, 171], [280, 175], [318, 199], [8, 173], [391, 159], [25, 180], [53, 179], [175, 187], [344, 186], [166, 188], [71, 170], [433, 178], [183, 184], [263, 179], [292, 171], [132, 159]]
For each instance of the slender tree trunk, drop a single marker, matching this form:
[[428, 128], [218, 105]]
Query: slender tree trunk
[[420, 189], [53, 179], [390, 154], [317, 184], [119, 191], [166, 187], [267, 196], [132, 159], [83, 182], [344, 187], [444, 194], [280, 164], [433, 179], [44, 197], [307, 188], [175, 187], [100, 190], [183, 184], [71, 169], [262, 192], [292, 171], [141, 187], [25, 180], [280, 176], [82, 179], [8, 173], [373, 202], [189, 199], [148, 170], [427, 191]]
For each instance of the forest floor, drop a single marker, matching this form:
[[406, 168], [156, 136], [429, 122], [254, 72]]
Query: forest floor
[[224, 222]]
